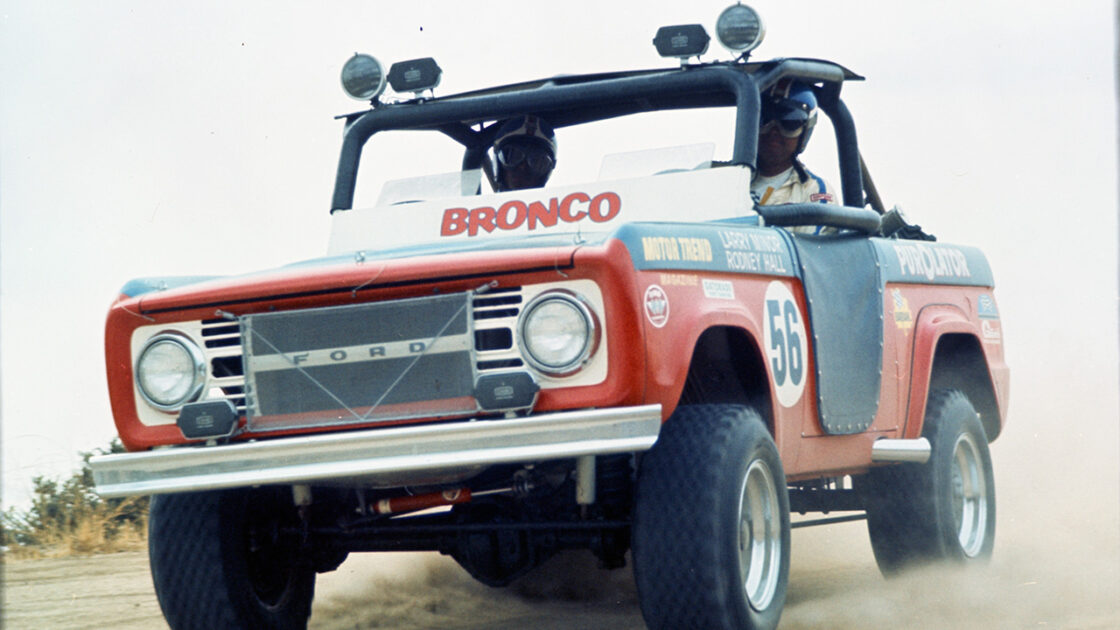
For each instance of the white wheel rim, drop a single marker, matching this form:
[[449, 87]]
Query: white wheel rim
[[970, 495], [760, 535]]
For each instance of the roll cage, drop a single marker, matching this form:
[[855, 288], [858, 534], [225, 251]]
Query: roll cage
[[469, 118]]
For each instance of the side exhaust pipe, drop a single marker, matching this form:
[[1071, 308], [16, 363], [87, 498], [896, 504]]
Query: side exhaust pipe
[[898, 451]]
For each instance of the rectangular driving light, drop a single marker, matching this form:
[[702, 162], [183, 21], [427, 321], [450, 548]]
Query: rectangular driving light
[[415, 75], [681, 41]]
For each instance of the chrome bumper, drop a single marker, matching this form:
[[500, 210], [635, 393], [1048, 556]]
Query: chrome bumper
[[390, 456]]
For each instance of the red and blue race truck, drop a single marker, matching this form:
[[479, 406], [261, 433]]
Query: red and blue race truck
[[648, 364]]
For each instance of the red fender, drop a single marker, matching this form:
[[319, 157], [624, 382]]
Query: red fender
[[933, 322]]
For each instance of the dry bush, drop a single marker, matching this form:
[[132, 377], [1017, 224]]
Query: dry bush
[[69, 518]]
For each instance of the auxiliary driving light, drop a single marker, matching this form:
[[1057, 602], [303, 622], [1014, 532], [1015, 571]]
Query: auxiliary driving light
[[740, 28], [170, 371], [557, 333], [506, 390], [207, 420], [415, 75], [363, 78], [681, 41]]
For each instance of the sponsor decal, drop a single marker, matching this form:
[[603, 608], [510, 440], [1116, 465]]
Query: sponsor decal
[[990, 330], [902, 317], [932, 263], [986, 307], [515, 214], [657, 305], [754, 252], [718, 289], [784, 336], [676, 248], [679, 280], [708, 248], [821, 197]]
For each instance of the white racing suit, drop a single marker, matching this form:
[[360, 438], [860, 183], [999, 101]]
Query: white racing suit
[[802, 186]]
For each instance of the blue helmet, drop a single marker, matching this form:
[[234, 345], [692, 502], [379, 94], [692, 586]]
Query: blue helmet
[[792, 107]]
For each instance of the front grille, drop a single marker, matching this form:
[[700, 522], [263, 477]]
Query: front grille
[[493, 349], [495, 325], [220, 333], [376, 361], [222, 341]]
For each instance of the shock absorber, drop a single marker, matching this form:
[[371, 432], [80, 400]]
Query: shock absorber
[[412, 503]]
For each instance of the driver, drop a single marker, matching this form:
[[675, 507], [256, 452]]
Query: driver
[[525, 148], [789, 112]]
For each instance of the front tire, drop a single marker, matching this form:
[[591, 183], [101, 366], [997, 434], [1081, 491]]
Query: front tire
[[219, 562], [944, 509], [711, 524]]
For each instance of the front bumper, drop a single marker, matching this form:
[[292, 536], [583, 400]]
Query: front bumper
[[390, 456]]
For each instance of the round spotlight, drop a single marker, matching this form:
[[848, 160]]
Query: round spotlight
[[363, 78], [740, 28]]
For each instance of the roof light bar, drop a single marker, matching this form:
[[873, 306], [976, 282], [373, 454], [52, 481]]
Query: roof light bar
[[363, 77], [681, 41], [740, 28], [415, 75]]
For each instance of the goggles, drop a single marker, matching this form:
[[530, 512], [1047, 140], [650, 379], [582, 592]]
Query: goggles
[[538, 159], [789, 119], [788, 128]]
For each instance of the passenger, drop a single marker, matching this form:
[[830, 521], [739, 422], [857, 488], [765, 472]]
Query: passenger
[[525, 148], [789, 112]]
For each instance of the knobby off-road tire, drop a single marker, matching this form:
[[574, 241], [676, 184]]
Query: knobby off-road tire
[[944, 509], [711, 524], [216, 563]]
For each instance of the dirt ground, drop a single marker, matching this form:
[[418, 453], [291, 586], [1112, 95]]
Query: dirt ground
[[1056, 565], [834, 584]]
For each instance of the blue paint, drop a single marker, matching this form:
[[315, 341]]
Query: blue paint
[[140, 286]]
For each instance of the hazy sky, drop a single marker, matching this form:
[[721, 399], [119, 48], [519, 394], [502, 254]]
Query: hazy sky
[[182, 138]]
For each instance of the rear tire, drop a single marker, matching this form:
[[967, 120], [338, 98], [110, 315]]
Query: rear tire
[[217, 561], [944, 509], [711, 524]]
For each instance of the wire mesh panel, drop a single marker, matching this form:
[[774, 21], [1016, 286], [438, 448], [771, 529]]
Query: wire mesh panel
[[362, 363]]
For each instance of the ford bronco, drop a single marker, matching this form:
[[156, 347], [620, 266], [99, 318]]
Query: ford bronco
[[648, 365]]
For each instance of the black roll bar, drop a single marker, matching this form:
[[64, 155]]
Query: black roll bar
[[862, 220], [631, 94], [574, 100]]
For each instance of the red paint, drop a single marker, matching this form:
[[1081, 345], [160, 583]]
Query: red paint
[[640, 369]]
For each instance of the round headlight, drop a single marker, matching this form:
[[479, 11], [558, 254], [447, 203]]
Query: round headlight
[[363, 77], [557, 333], [170, 371], [739, 28]]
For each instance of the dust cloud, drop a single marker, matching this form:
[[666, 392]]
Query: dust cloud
[[1056, 562], [427, 590]]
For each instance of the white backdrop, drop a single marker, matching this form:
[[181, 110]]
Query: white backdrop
[[165, 138]]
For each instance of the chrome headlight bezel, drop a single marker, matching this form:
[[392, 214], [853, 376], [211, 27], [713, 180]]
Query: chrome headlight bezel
[[585, 315], [197, 373]]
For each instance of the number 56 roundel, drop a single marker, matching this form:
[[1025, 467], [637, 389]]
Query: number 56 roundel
[[784, 336]]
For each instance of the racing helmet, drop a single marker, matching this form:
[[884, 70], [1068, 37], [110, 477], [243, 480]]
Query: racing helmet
[[792, 107], [527, 143]]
